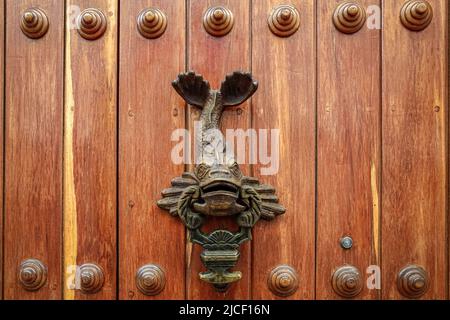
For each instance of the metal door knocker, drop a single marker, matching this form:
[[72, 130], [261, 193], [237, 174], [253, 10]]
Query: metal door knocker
[[217, 186]]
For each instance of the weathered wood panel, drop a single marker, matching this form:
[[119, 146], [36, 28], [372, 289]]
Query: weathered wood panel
[[414, 149], [285, 69], [214, 58], [90, 172], [149, 110], [348, 149], [2, 90], [33, 146]]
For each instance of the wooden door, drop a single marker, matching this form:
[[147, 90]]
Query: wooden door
[[353, 94]]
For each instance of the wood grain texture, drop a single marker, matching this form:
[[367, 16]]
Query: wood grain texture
[[2, 91], [348, 149], [149, 111], [414, 149], [214, 58], [33, 139], [285, 69], [90, 172]]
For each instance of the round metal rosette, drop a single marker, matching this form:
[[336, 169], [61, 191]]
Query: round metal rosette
[[150, 280], [416, 15], [91, 24], [152, 23], [34, 23], [284, 20], [347, 281], [218, 21], [283, 281], [91, 278], [349, 17], [413, 281], [32, 274]]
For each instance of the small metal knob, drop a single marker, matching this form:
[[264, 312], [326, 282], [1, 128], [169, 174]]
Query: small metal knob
[[349, 17], [413, 281], [283, 281], [91, 278], [416, 15], [346, 242], [34, 23], [347, 281], [91, 24], [150, 280], [284, 20], [32, 274], [152, 23], [218, 21]]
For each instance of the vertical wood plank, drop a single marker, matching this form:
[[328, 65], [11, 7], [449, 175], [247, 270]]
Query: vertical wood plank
[[285, 70], [414, 149], [2, 91], [90, 150], [33, 138], [149, 111], [214, 58], [348, 168]]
